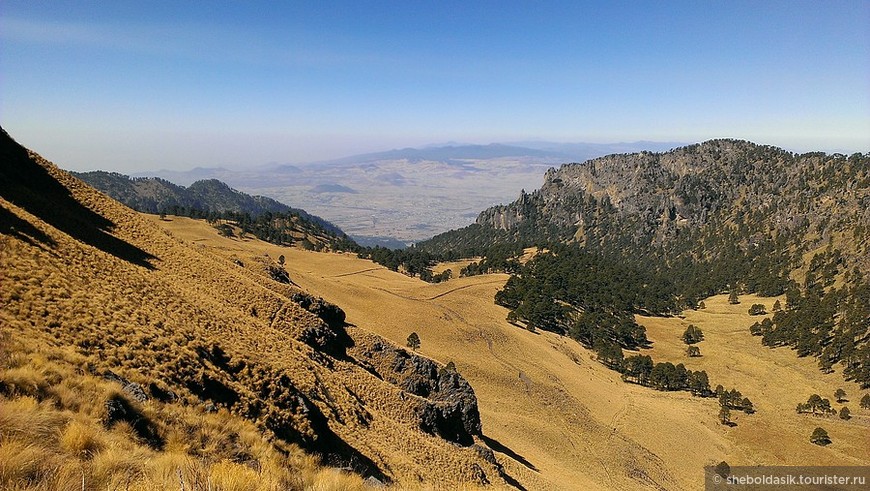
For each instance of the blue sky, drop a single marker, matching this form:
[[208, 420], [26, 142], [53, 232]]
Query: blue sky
[[145, 85]]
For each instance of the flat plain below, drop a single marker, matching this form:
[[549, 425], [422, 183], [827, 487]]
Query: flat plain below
[[558, 419]]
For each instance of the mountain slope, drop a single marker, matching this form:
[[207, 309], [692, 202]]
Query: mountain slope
[[720, 216], [176, 328], [155, 195], [558, 419]]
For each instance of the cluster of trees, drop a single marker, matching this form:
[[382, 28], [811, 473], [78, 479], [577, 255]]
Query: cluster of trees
[[273, 227], [693, 335], [588, 296], [418, 262], [640, 369], [412, 262], [820, 437], [757, 309], [733, 399], [830, 323], [816, 405]]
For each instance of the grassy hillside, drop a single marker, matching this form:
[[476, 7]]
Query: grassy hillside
[[555, 417], [132, 357]]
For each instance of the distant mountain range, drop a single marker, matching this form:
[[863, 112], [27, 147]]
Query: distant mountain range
[[400, 196]]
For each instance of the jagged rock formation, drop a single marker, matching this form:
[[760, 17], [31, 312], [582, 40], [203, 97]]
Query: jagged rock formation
[[449, 407], [657, 197]]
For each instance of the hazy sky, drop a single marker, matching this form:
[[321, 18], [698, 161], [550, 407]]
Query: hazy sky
[[145, 85]]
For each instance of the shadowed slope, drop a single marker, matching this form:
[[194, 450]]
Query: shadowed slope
[[24, 182]]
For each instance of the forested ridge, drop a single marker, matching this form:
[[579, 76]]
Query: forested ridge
[[218, 203], [658, 232]]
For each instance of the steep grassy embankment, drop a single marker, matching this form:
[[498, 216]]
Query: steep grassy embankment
[[131, 356]]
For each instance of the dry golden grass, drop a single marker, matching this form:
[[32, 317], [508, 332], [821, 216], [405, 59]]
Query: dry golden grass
[[198, 329], [566, 421], [776, 380], [455, 267]]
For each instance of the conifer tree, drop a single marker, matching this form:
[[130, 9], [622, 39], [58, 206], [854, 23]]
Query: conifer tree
[[413, 341], [820, 437]]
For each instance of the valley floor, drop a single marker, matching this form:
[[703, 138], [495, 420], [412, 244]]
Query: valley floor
[[558, 419]]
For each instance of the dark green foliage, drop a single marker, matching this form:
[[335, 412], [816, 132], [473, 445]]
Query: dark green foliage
[[587, 296], [732, 298], [865, 402], [637, 369], [702, 305], [699, 383], [757, 309], [640, 369], [693, 335], [693, 352], [733, 399], [725, 415], [816, 405], [828, 324], [413, 341], [761, 328], [610, 354], [840, 395], [747, 406], [820, 437], [225, 230], [845, 413], [777, 306]]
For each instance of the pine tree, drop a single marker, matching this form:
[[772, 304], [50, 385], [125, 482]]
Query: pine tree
[[413, 341], [732, 298], [777, 306], [757, 309], [725, 415], [865, 401], [840, 395], [845, 413], [820, 437], [747, 405]]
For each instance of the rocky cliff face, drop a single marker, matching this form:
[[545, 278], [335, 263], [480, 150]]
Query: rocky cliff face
[[445, 404], [650, 199]]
